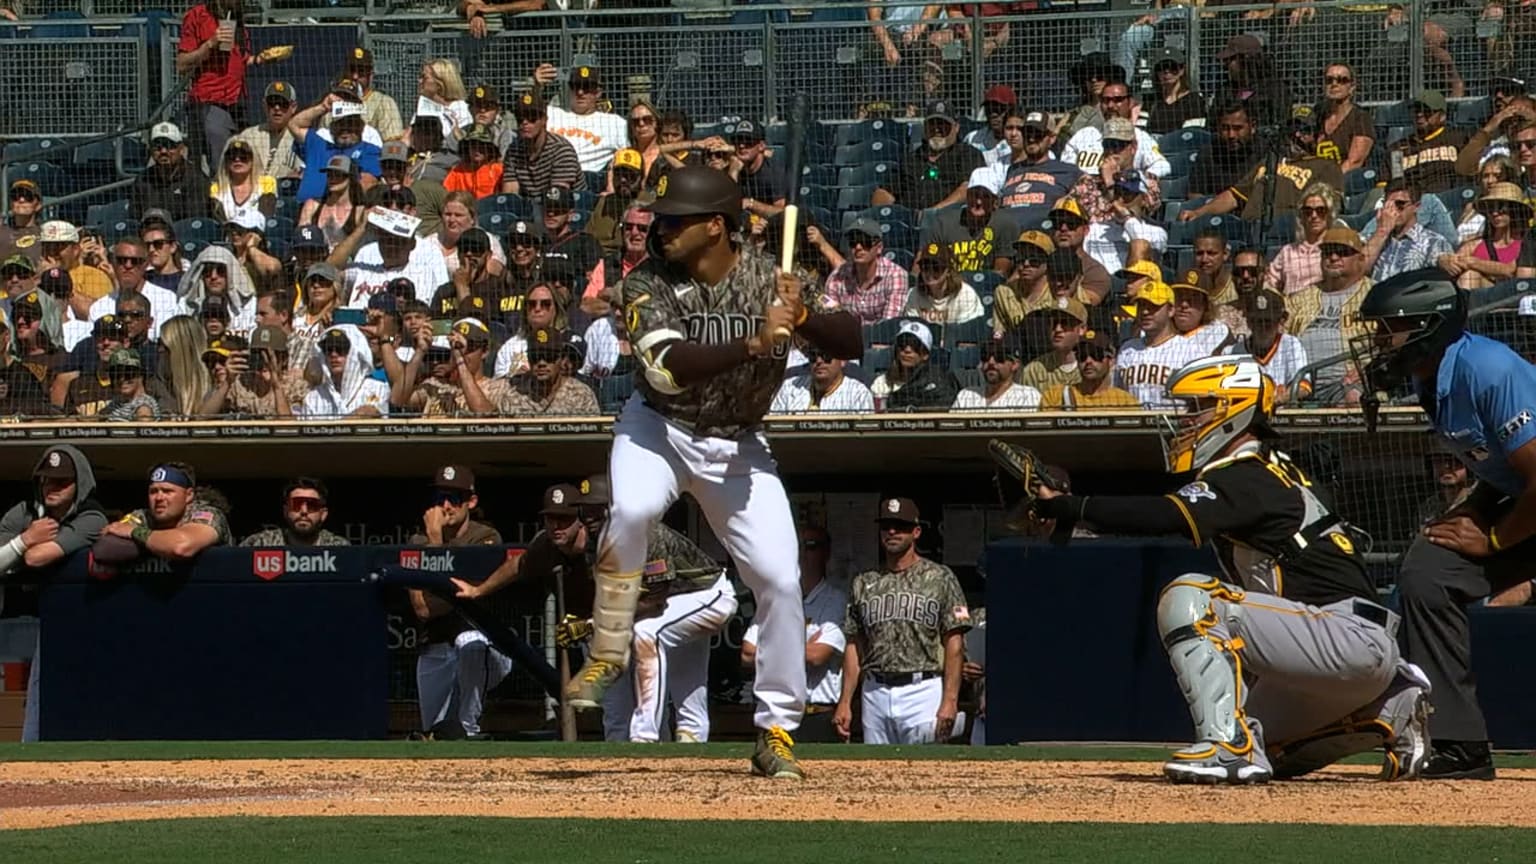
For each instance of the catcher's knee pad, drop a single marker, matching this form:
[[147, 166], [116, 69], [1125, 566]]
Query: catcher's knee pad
[[1205, 660], [1328, 745]]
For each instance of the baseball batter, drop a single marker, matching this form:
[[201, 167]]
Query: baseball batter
[[709, 321], [1290, 665], [905, 628]]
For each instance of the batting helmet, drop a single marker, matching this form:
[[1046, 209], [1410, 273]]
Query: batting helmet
[[696, 190]]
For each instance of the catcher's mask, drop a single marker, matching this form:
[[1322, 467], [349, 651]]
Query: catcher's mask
[[1218, 398]]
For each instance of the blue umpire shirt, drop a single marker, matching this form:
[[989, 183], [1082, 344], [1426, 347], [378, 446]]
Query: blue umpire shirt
[[1485, 403]]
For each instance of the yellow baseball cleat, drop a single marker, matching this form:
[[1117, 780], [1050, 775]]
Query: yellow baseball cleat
[[775, 755], [585, 690]]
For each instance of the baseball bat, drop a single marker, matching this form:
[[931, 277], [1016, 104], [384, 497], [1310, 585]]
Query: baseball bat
[[794, 165], [567, 712]]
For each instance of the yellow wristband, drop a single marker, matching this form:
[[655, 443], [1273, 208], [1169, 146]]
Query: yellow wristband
[[805, 312], [1493, 540]]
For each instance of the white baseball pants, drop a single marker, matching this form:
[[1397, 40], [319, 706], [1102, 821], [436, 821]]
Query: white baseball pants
[[902, 713], [737, 488], [458, 676], [670, 662]]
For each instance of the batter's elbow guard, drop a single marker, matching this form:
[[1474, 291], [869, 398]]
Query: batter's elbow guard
[[652, 350]]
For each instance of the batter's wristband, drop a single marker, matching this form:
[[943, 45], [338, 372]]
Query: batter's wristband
[[1493, 540], [140, 535]]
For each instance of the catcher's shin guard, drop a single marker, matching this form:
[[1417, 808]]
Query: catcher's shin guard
[[1207, 663]]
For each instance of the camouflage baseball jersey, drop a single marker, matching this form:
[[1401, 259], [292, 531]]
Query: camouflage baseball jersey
[[904, 615], [278, 537], [676, 565], [662, 302], [199, 512]]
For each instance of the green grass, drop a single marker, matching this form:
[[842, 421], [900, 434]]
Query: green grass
[[182, 750], [373, 840]]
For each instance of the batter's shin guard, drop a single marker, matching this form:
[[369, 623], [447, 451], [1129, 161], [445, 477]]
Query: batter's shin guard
[[1206, 664], [613, 616]]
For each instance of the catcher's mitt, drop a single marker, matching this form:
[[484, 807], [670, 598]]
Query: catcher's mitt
[[1019, 474]]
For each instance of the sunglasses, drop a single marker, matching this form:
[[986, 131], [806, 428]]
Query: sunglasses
[[212, 315], [1313, 211], [529, 118], [278, 104], [541, 304], [1070, 223], [1337, 252], [444, 496], [1090, 352], [15, 273], [536, 358], [237, 156], [157, 244], [861, 241], [1028, 260], [1425, 110], [23, 195], [636, 227], [1014, 127], [1247, 271], [819, 356], [335, 348], [1526, 143], [305, 504], [1113, 100], [1115, 146], [1337, 79], [994, 107], [164, 144], [128, 261], [218, 269], [647, 120], [133, 316], [995, 357], [23, 318], [110, 336]]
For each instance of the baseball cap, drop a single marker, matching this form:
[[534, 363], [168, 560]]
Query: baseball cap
[[917, 330], [1069, 206], [308, 237], [215, 306], [1264, 304], [250, 219], [1170, 55], [1341, 237], [866, 226], [546, 341], [156, 216], [476, 133], [217, 350], [24, 183], [1007, 345], [594, 490], [560, 500], [124, 358], [400, 286], [1037, 120], [746, 132], [360, 58], [1157, 293], [483, 94], [1038, 239], [166, 131], [530, 103], [19, 262], [395, 151], [385, 302], [1434, 100], [31, 301], [523, 231], [470, 307], [340, 163], [629, 157], [347, 86], [1000, 93], [280, 89], [1130, 181], [986, 178], [1141, 270], [576, 347], [1072, 308], [107, 325], [335, 338], [586, 76], [270, 337], [56, 282], [473, 330], [56, 465], [456, 477], [1064, 262], [1119, 129], [1193, 280], [1103, 340], [559, 198], [1301, 115], [902, 510], [322, 270], [1241, 45], [939, 110], [59, 231], [475, 240]]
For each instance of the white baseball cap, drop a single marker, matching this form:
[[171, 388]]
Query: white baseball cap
[[986, 178], [167, 130], [346, 108], [59, 231], [250, 219], [917, 330]]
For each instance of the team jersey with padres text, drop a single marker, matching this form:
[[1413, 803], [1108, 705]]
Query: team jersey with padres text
[[663, 302], [1484, 402], [904, 616], [198, 512], [1252, 506], [1143, 369]]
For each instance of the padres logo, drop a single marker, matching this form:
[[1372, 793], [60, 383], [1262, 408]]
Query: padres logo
[[1343, 543], [542, 336], [586, 488], [1328, 150], [661, 187]]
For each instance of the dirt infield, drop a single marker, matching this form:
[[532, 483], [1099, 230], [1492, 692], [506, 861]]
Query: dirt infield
[[45, 794]]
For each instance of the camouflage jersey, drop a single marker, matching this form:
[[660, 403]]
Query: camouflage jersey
[[675, 565], [198, 512], [279, 537], [904, 615], [663, 303]]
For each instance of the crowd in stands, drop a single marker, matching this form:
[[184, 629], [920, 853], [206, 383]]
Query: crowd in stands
[[339, 258]]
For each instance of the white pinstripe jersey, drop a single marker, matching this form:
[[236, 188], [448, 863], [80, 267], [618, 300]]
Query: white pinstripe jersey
[[794, 397], [1143, 369]]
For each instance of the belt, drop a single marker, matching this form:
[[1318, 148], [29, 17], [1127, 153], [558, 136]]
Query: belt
[[1377, 614], [819, 708], [897, 679]]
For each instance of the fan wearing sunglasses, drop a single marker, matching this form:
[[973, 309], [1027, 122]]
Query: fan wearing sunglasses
[[1095, 389], [547, 388], [305, 508], [171, 182], [823, 387], [23, 224], [999, 390]]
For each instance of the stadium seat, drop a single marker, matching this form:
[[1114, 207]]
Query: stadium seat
[[849, 154], [877, 360], [287, 187], [884, 150], [883, 332], [891, 213], [597, 181], [902, 258], [1358, 221], [1469, 113], [199, 230], [135, 158], [288, 208], [190, 249], [505, 203], [33, 148], [1181, 141], [1456, 199], [1175, 188], [1396, 114], [1180, 165], [49, 177], [1170, 211], [776, 134], [939, 357], [1360, 181], [968, 378], [899, 236], [984, 281], [94, 165], [819, 175], [106, 214], [1283, 228], [964, 357], [855, 175], [848, 134], [116, 230], [821, 217], [822, 197], [280, 228], [1183, 233], [496, 224], [277, 247], [579, 219], [614, 391], [585, 199], [854, 197], [973, 333]]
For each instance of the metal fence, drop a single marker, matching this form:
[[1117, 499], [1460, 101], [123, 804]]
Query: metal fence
[[71, 87]]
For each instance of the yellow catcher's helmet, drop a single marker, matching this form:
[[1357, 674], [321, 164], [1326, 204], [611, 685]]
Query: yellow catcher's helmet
[[1219, 399]]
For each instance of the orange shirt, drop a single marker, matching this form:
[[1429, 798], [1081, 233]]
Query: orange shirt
[[480, 182]]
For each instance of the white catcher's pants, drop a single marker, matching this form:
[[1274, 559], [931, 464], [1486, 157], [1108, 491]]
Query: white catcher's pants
[[670, 661], [736, 484], [458, 674], [901, 714]]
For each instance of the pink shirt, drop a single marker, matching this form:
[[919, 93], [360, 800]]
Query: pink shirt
[[884, 299], [1508, 255], [1297, 267]]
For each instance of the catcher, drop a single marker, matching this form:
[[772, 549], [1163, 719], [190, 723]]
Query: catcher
[[1288, 665]]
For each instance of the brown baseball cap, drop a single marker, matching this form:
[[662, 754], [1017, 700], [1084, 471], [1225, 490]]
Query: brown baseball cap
[[594, 491], [902, 510], [56, 465], [269, 336], [560, 500], [1342, 237], [456, 477], [1264, 304], [1193, 280]]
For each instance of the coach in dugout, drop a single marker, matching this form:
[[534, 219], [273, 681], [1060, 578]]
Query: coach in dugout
[[179, 523], [60, 519]]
